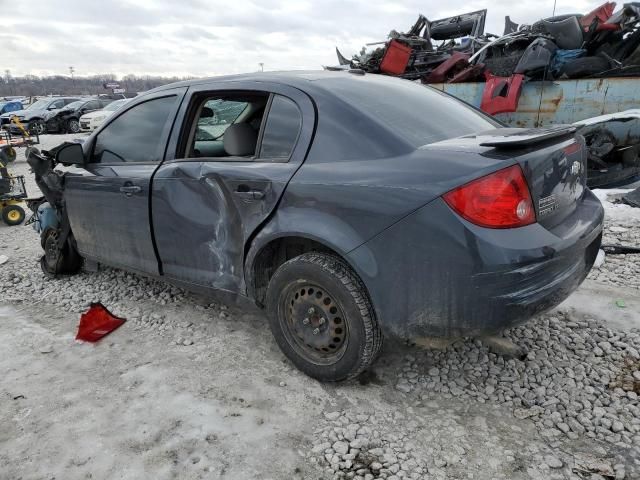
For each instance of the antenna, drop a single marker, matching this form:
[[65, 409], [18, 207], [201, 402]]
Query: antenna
[[554, 8]]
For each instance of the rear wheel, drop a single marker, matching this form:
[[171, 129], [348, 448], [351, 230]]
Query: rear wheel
[[321, 317], [37, 126], [13, 215]]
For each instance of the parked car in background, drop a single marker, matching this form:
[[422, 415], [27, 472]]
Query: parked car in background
[[67, 119], [348, 206], [90, 121], [32, 118], [10, 106]]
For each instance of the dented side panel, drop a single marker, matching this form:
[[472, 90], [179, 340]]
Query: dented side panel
[[203, 212], [201, 224]]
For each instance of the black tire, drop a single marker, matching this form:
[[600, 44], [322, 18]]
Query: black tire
[[13, 215], [584, 67], [73, 125], [59, 259], [37, 126], [344, 317], [7, 154]]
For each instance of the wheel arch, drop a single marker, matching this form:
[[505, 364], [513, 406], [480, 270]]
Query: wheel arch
[[268, 253]]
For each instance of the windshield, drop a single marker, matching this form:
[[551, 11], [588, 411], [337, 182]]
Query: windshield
[[114, 105], [420, 114], [74, 105], [39, 105]]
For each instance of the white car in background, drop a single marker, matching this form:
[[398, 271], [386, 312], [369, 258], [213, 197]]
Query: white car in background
[[90, 121]]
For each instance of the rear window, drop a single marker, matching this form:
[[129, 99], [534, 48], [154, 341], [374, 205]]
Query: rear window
[[417, 113]]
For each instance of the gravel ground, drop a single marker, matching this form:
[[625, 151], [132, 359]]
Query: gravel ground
[[201, 391]]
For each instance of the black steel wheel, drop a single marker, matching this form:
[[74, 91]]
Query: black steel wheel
[[321, 317], [73, 125], [313, 323]]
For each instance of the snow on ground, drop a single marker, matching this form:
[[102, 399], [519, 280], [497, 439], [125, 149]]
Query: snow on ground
[[192, 389]]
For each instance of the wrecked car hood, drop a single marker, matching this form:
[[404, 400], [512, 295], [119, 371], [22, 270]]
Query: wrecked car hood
[[631, 114]]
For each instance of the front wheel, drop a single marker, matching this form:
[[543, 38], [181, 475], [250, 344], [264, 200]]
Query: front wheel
[[73, 126], [59, 257], [321, 317]]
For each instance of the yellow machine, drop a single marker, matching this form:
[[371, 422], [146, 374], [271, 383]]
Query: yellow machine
[[12, 190]]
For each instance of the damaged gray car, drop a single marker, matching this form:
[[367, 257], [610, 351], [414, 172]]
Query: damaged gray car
[[348, 206]]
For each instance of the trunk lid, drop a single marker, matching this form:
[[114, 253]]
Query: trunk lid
[[553, 161]]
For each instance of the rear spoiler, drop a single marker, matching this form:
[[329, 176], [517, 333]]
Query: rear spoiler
[[522, 137]]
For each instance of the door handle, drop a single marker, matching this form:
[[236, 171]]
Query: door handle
[[250, 194], [129, 190]]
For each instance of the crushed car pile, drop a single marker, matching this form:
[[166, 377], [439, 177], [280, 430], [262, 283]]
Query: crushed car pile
[[600, 43]]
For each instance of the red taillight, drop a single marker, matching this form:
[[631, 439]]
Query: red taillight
[[499, 200]]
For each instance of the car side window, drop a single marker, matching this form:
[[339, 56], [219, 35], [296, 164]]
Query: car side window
[[281, 129], [227, 126], [92, 105], [135, 135], [57, 104]]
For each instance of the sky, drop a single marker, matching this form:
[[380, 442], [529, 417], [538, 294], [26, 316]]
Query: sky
[[211, 37]]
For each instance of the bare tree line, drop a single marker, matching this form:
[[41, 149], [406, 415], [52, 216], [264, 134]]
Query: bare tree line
[[32, 85]]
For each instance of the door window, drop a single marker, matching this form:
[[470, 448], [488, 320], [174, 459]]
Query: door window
[[281, 130], [216, 116], [135, 136], [57, 104], [228, 126], [234, 126], [92, 105]]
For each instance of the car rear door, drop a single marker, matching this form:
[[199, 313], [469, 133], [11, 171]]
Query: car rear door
[[108, 199], [205, 209]]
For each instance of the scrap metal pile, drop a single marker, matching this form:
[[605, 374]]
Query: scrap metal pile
[[601, 44], [456, 49]]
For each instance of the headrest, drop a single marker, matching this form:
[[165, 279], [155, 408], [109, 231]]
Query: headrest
[[240, 140], [206, 112]]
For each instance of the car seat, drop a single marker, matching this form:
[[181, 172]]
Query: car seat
[[240, 140]]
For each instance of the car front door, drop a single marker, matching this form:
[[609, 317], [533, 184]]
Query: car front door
[[108, 199], [208, 198]]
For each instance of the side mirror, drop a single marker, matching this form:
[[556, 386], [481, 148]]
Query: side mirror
[[70, 154]]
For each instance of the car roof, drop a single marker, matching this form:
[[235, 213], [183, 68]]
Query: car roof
[[302, 79]]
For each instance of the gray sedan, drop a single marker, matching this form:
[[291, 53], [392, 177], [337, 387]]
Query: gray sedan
[[348, 206]]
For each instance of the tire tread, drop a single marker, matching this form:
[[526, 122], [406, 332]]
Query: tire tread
[[336, 267]]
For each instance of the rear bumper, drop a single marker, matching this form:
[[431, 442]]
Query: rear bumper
[[435, 274]]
